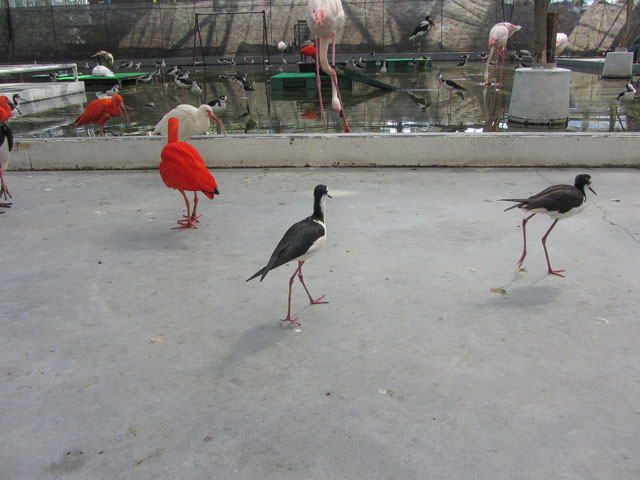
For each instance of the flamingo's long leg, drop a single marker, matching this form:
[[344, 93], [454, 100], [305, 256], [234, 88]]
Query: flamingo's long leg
[[319, 84], [334, 79]]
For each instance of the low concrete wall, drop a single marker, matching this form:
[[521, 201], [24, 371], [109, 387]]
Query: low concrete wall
[[340, 150]]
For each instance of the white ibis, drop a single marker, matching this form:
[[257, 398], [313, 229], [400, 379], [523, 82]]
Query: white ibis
[[561, 43], [192, 120], [303, 239], [101, 71], [498, 36], [558, 201], [325, 18]]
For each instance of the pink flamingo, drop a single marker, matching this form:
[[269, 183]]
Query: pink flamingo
[[325, 18], [498, 36]]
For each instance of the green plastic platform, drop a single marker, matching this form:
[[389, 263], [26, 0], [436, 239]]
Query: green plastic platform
[[306, 81], [88, 79]]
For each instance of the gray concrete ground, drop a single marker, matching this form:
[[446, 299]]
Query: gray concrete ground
[[132, 351]]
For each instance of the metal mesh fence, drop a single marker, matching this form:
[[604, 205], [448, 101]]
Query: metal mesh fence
[[166, 28]]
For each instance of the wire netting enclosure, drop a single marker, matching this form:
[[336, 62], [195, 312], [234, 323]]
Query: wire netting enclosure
[[166, 29]]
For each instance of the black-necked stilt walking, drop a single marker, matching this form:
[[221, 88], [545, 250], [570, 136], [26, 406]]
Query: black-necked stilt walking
[[558, 201], [463, 62], [450, 85], [422, 28], [149, 76], [218, 105], [303, 239]]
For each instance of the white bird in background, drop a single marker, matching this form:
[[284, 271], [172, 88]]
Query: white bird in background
[[101, 71], [561, 43], [383, 69], [109, 92], [498, 37], [218, 105], [196, 89], [325, 18], [281, 48], [627, 96], [193, 121]]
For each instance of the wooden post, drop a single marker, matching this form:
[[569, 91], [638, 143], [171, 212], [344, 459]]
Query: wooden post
[[540, 9], [627, 27], [552, 31]]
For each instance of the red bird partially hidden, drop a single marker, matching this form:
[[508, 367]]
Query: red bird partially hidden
[[309, 51], [5, 108], [100, 111], [182, 168]]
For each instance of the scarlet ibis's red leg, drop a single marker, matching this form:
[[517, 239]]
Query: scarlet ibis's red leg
[[185, 223]]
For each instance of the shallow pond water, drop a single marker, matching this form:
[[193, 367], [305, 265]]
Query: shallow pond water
[[419, 105]]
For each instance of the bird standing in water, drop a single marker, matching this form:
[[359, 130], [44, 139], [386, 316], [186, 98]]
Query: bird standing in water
[[183, 168], [558, 201], [303, 239], [498, 36], [325, 18], [100, 111]]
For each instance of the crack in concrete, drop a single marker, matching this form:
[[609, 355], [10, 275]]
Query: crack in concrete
[[625, 230]]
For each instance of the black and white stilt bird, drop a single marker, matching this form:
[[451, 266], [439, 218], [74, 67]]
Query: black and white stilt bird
[[463, 62], [109, 92], [627, 97], [303, 239], [422, 28], [218, 105], [558, 201], [450, 85]]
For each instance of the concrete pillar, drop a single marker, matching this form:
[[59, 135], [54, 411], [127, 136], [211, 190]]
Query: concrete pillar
[[540, 96], [618, 64]]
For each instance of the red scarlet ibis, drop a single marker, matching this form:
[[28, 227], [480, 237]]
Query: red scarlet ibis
[[5, 108], [6, 145], [182, 168], [498, 36], [325, 18], [558, 201], [101, 110], [309, 51], [193, 121], [303, 239]]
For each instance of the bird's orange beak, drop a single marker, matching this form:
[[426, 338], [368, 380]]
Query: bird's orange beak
[[217, 120]]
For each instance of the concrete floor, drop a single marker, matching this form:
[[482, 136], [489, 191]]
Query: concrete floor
[[132, 351]]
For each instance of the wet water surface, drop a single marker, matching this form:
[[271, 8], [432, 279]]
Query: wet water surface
[[419, 105]]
